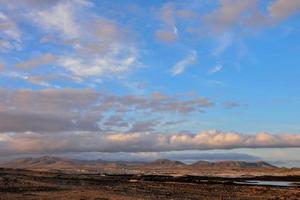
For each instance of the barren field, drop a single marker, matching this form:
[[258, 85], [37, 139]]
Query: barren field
[[25, 184]]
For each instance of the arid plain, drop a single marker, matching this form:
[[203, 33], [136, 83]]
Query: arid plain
[[57, 178]]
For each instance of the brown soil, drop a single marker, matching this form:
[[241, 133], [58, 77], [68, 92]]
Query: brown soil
[[24, 184]]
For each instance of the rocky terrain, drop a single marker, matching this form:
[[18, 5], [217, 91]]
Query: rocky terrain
[[57, 178], [25, 184]]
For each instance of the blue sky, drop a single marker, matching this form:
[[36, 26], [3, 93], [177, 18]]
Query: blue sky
[[159, 69]]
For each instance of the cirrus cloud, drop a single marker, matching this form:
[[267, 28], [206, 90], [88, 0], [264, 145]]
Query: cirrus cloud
[[183, 64]]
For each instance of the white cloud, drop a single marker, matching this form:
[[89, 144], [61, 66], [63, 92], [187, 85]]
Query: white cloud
[[101, 66], [10, 35], [104, 49], [60, 17], [8, 27], [183, 64], [89, 44], [217, 68]]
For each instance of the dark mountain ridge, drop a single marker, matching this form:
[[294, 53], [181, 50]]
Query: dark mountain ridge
[[50, 161], [233, 164]]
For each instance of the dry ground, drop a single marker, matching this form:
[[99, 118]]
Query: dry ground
[[23, 184]]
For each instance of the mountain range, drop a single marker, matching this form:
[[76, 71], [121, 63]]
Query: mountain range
[[49, 162]]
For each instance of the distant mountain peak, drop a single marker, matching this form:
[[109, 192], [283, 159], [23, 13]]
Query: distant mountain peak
[[166, 162], [43, 161], [234, 164]]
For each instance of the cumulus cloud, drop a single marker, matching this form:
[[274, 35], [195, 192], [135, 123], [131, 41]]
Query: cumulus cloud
[[166, 35], [101, 46], [230, 13], [29, 3], [60, 16], [183, 64], [229, 16], [85, 45], [168, 31], [10, 35], [18, 122], [154, 103], [44, 59], [46, 110], [236, 16], [89, 46], [167, 14], [39, 80], [72, 109], [31, 142], [116, 121], [104, 50], [144, 126], [2, 66], [281, 9], [47, 101]]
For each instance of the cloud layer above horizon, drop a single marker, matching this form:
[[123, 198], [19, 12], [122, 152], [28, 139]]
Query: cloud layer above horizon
[[63, 142]]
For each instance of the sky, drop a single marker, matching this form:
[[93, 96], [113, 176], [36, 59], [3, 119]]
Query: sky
[[149, 79]]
